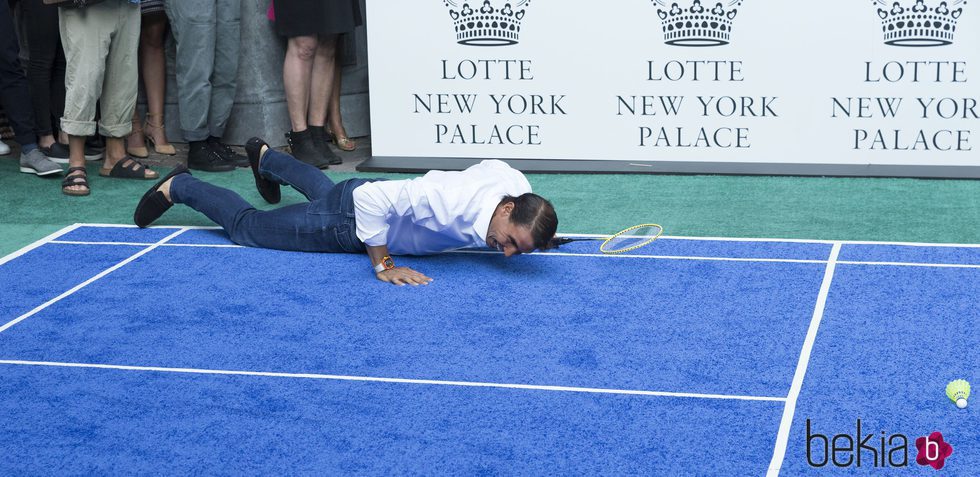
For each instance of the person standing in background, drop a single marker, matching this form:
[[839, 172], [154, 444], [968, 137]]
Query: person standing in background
[[153, 70], [46, 74], [15, 98], [310, 69], [208, 36], [101, 68]]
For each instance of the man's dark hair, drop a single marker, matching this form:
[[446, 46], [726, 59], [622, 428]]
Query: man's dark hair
[[537, 214]]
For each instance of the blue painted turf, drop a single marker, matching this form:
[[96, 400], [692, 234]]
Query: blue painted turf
[[890, 340], [103, 422], [650, 324]]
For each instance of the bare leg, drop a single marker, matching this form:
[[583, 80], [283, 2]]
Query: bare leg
[[321, 89], [334, 119], [153, 64], [297, 74]]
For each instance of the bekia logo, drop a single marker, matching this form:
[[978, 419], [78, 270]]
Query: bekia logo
[[488, 24], [887, 450], [933, 450], [918, 24], [696, 24]]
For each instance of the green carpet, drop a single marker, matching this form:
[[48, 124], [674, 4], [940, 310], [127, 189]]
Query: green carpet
[[914, 210]]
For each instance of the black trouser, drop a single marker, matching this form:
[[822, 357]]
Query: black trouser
[[15, 96], [46, 70]]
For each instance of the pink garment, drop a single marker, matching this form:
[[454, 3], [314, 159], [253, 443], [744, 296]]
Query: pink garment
[[271, 13]]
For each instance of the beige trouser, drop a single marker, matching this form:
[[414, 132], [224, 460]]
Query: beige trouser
[[100, 44]]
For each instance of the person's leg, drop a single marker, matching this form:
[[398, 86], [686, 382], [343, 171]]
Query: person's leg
[[43, 42], [321, 87], [154, 69], [120, 88], [90, 30], [226, 54], [287, 170], [297, 74], [14, 93], [335, 122], [58, 89], [193, 25], [298, 227], [322, 81]]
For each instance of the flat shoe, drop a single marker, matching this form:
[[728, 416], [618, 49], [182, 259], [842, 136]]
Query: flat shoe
[[153, 203], [267, 189]]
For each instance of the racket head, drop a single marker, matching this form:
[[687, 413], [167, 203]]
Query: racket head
[[631, 238]]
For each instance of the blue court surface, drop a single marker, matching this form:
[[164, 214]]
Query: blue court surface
[[173, 351]]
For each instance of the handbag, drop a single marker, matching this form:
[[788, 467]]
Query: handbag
[[70, 3]]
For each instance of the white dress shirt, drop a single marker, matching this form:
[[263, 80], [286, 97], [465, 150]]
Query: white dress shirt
[[437, 212]]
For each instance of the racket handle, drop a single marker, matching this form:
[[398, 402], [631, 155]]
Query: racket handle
[[559, 241]]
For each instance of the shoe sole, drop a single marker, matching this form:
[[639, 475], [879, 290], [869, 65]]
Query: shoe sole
[[31, 170], [63, 160]]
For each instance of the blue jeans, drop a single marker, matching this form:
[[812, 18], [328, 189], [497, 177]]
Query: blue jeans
[[325, 224]]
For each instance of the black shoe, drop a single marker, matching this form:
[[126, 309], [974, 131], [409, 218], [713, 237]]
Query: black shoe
[[94, 148], [227, 153], [267, 189], [154, 204], [322, 145], [202, 157], [304, 148], [57, 152]]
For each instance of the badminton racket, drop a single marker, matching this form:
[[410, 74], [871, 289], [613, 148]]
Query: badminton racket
[[625, 240]]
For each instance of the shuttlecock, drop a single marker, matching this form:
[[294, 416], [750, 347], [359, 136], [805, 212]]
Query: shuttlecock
[[958, 392]]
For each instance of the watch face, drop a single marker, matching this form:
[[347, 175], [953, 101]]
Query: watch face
[[388, 263]]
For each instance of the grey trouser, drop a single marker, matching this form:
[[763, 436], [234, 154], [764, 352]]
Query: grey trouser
[[208, 38], [100, 44]]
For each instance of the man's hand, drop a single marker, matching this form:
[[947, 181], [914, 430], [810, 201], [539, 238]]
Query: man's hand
[[403, 276]]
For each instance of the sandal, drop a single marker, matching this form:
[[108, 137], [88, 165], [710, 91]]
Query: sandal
[[128, 168], [75, 180], [161, 147], [136, 151], [343, 142]]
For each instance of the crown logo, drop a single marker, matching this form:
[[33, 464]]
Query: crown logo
[[487, 25], [919, 25], [697, 25]]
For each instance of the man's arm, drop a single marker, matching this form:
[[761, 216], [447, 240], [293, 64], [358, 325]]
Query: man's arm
[[371, 207], [398, 275]]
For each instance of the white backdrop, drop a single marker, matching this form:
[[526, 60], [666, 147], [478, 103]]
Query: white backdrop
[[799, 82]]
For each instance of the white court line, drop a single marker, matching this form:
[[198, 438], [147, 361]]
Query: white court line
[[145, 244], [38, 243], [910, 264], [786, 240], [662, 257], [782, 438], [334, 377], [565, 254], [668, 237], [89, 281]]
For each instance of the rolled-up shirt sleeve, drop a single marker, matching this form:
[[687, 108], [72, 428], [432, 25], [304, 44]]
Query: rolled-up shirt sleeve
[[371, 209]]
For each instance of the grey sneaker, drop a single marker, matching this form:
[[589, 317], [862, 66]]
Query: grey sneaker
[[35, 162], [4, 149]]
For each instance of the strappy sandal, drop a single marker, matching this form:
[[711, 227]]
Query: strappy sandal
[[75, 180], [128, 168], [159, 148], [343, 143], [137, 151]]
